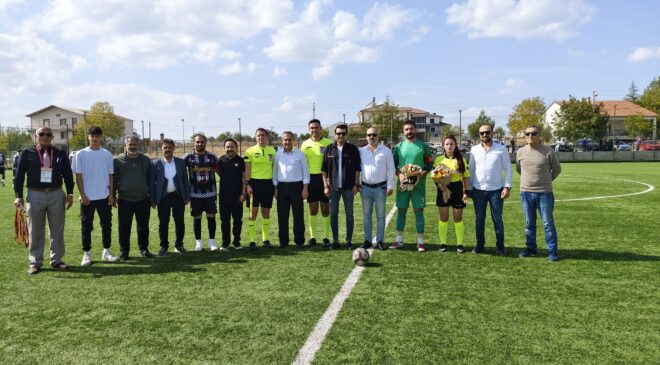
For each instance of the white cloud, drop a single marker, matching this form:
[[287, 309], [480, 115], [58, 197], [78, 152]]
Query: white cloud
[[321, 72], [290, 103], [228, 103], [642, 54], [231, 69], [253, 67], [8, 4], [510, 85], [279, 71], [229, 54], [523, 19], [383, 20]]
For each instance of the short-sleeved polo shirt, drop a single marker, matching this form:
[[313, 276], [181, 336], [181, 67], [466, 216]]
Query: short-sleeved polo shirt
[[314, 153], [261, 162]]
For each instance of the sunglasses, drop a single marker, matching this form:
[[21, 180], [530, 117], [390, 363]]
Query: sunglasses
[[531, 134], [340, 133], [372, 134], [485, 133], [45, 134]]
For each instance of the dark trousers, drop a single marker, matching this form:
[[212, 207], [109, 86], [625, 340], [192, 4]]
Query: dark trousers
[[289, 198], [87, 222], [172, 204], [231, 209], [126, 210]]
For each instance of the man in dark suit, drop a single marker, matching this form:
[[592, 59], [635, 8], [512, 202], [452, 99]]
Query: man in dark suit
[[170, 191]]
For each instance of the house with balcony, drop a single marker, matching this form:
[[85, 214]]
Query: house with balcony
[[63, 121], [429, 125]]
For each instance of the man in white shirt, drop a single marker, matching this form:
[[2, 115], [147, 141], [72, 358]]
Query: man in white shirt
[[377, 177], [94, 169], [488, 161], [291, 181]]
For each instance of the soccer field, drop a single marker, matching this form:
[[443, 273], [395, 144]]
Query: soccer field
[[600, 304]]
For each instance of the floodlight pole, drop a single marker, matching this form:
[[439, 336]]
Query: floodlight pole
[[183, 135]]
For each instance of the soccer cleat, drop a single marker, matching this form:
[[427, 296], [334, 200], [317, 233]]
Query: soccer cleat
[[527, 253], [552, 257], [180, 249], [366, 245], [311, 242], [87, 258], [198, 245], [443, 248], [252, 246], [396, 245], [33, 269], [108, 256], [421, 248], [212, 245], [460, 249], [267, 244]]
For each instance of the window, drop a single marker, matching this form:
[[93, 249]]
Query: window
[[432, 120], [432, 128], [62, 121], [46, 122], [74, 121], [420, 122], [62, 135], [57, 115]]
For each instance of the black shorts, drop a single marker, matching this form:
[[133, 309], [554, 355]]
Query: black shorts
[[202, 205], [316, 189], [456, 198], [262, 193]]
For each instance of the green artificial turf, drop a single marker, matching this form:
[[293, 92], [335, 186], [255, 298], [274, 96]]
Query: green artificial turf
[[599, 304]]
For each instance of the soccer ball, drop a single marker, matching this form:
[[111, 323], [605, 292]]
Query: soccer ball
[[360, 256]]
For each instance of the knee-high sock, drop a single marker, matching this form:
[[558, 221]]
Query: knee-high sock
[[265, 228], [459, 227], [401, 219], [313, 222], [251, 229], [197, 228], [326, 227], [419, 221], [442, 230], [212, 226]]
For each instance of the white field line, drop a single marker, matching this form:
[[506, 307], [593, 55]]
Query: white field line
[[649, 188], [315, 340]]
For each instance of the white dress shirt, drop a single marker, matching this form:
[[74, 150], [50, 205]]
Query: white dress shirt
[[486, 167], [377, 165], [290, 167], [170, 173]]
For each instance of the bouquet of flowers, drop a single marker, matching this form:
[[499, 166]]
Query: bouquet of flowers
[[442, 177], [21, 233], [411, 173]]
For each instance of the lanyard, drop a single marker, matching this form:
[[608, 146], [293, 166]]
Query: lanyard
[[41, 162]]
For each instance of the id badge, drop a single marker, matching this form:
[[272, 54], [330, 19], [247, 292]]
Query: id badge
[[46, 175]]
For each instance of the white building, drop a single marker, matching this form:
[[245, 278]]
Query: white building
[[429, 125], [63, 121]]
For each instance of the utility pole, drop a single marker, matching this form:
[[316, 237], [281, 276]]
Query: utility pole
[[240, 137], [460, 127], [183, 135], [142, 136], [313, 110], [344, 118], [593, 93], [85, 123], [149, 149]]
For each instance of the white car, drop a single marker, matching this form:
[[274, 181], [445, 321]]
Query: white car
[[435, 148]]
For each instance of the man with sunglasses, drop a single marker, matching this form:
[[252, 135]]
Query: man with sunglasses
[[341, 180], [46, 167], [488, 161], [538, 165]]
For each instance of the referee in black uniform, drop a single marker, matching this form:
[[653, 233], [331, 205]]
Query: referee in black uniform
[[231, 169]]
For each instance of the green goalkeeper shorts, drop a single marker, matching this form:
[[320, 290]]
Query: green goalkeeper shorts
[[417, 196]]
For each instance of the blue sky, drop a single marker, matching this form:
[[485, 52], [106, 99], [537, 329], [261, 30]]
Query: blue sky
[[267, 61]]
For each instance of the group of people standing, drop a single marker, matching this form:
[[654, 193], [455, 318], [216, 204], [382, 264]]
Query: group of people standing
[[322, 171]]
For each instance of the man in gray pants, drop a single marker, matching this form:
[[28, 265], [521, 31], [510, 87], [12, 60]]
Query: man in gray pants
[[46, 167]]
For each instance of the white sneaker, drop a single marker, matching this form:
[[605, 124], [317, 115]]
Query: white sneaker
[[212, 245], [198, 245], [87, 258], [421, 247], [224, 249], [108, 256]]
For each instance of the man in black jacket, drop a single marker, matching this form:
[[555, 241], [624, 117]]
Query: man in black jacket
[[231, 168], [46, 168], [341, 180]]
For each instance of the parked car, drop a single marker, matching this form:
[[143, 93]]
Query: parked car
[[563, 147], [622, 146], [648, 145], [435, 148], [586, 144]]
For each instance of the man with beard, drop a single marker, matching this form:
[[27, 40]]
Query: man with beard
[[132, 170], [313, 148], [170, 191], [259, 186], [201, 172], [415, 152], [231, 169], [488, 161]]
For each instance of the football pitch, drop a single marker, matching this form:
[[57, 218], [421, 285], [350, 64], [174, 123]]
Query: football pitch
[[600, 304]]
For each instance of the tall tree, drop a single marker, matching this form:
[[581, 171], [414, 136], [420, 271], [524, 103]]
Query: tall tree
[[580, 119], [13, 139], [637, 125], [528, 112], [633, 93], [101, 114], [499, 132], [650, 99], [452, 130], [473, 128], [386, 118]]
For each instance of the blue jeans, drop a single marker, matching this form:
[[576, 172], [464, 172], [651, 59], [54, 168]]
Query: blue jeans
[[369, 197], [481, 198], [347, 196], [545, 204]]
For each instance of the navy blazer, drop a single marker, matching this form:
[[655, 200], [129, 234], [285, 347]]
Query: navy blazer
[[158, 183]]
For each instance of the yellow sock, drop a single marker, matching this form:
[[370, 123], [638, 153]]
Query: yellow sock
[[326, 227], [251, 229], [265, 229], [460, 231], [442, 230], [313, 222]]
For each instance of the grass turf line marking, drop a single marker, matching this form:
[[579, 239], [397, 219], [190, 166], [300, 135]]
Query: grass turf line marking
[[649, 188], [315, 340]]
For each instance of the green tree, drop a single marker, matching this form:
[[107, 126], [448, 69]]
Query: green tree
[[101, 114], [528, 112], [450, 130], [499, 133], [650, 98], [13, 139], [580, 119], [386, 118], [473, 128], [633, 93], [637, 125]]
